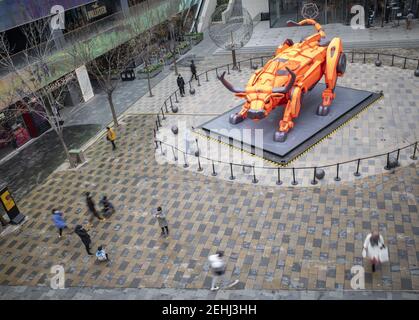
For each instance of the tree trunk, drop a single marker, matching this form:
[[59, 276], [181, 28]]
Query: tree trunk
[[111, 105], [67, 153], [175, 63], [148, 79]]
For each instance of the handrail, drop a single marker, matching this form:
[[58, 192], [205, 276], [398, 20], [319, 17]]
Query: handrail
[[174, 96]]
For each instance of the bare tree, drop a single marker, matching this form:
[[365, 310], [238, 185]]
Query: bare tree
[[141, 41], [29, 77], [105, 69]]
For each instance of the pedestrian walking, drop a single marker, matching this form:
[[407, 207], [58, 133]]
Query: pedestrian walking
[[218, 267], [101, 254], [375, 249], [409, 19], [111, 136], [108, 208], [181, 84], [161, 218], [85, 238], [193, 70], [92, 207], [59, 222]]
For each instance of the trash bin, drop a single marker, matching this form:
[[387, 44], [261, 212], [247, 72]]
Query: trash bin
[[77, 156]]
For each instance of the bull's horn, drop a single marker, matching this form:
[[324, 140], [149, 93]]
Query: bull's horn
[[289, 85], [228, 85]]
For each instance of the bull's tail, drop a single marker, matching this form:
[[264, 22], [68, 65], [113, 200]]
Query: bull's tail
[[306, 22]]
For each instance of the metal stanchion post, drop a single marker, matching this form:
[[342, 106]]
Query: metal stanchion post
[[279, 182], [294, 182], [357, 173], [162, 113], [314, 181], [231, 171], [165, 106], [387, 167], [337, 178], [213, 170], [254, 176], [413, 157]]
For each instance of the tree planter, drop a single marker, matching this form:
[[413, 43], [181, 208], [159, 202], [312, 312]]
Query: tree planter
[[143, 75]]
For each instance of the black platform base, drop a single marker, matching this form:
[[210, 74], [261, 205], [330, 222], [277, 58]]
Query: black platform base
[[309, 128], [18, 219]]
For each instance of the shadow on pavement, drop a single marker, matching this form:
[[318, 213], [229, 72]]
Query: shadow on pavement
[[33, 164]]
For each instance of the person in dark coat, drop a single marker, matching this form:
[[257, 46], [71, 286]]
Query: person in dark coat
[[161, 219], [92, 207], [193, 70], [85, 238], [181, 84]]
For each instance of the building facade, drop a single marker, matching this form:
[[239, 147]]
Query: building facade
[[84, 20]]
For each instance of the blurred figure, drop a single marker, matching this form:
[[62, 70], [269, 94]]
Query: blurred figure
[[373, 245], [101, 254], [409, 19], [193, 70], [92, 207], [59, 222], [111, 136], [161, 218], [218, 267], [108, 208], [85, 238], [181, 84]]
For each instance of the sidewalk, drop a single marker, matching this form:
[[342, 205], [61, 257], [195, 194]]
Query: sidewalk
[[266, 39], [75, 293]]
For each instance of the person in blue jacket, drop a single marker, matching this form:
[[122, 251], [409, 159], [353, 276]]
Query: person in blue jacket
[[59, 222]]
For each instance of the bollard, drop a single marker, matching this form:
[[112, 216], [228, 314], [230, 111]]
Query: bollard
[[216, 72], [190, 85], [157, 145], [162, 113], [357, 173], [157, 125], [241, 70], [185, 165], [392, 60], [405, 62], [337, 178], [174, 155], [314, 181], [171, 102], [254, 176], [232, 177], [261, 61], [251, 63], [294, 182], [158, 120], [165, 106], [413, 157], [279, 182], [199, 82], [206, 76], [213, 170], [353, 54], [154, 132], [228, 69], [365, 58], [176, 99]]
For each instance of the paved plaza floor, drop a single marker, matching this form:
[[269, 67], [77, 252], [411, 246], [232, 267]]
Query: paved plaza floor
[[274, 237]]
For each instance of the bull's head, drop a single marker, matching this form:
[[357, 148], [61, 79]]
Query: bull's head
[[260, 101]]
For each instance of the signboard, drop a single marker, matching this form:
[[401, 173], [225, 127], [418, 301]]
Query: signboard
[[10, 206], [95, 11], [84, 83]]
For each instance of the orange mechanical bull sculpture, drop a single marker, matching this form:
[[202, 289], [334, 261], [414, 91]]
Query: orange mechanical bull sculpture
[[295, 69]]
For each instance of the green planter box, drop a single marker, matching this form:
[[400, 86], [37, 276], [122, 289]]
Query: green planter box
[[143, 75]]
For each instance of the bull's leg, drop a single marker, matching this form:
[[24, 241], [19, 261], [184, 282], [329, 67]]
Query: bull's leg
[[292, 110], [236, 118], [335, 65]]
